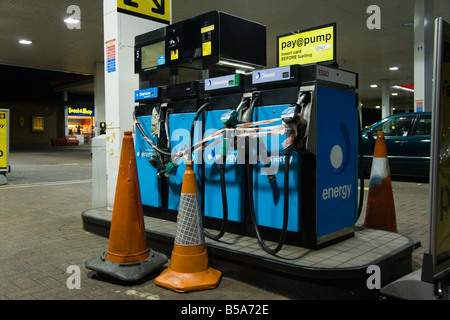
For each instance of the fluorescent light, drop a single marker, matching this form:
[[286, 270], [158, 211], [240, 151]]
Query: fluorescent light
[[373, 86], [377, 107], [24, 41], [394, 93], [233, 64], [393, 68], [71, 20]]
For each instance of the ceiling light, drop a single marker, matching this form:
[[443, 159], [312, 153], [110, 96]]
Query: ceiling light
[[394, 93], [71, 20], [393, 68], [24, 41], [377, 107], [373, 86], [233, 64]]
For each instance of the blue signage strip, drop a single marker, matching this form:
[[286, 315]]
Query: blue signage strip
[[228, 81], [270, 75], [144, 94]]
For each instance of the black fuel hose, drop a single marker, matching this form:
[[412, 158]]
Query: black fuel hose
[[222, 179], [249, 169], [223, 190], [144, 135], [194, 122], [252, 206]]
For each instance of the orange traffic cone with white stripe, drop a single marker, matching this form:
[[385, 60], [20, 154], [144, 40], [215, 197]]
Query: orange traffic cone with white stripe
[[380, 209], [128, 258], [189, 268]]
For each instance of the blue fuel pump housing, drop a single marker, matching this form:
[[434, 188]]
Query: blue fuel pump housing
[[148, 161], [323, 206], [226, 94], [183, 103]]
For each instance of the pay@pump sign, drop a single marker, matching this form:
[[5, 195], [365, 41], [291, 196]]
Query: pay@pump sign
[[310, 46], [3, 139]]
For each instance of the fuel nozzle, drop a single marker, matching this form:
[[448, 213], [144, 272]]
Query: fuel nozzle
[[292, 114], [171, 169], [230, 118], [304, 99], [294, 120], [234, 116]]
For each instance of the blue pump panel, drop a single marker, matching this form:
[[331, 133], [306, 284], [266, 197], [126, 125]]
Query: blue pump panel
[[234, 175], [179, 133], [337, 187], [269, 197], [147, 174]]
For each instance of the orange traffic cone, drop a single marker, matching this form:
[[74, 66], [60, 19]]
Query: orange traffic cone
[[380, 209], [128, 258], [189, 268]]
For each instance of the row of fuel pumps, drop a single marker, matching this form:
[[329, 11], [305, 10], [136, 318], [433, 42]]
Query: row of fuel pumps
[[285, 164], [275, 151]]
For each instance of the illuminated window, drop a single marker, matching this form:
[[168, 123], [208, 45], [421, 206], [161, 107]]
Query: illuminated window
[[37, 124]]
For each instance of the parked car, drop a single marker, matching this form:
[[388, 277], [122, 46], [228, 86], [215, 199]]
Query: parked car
[[407, 137]]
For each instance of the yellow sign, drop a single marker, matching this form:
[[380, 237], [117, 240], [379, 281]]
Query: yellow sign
[[157, 10], [174, 54], [311, 46], [3, 139], [207, 29], [206, 48]]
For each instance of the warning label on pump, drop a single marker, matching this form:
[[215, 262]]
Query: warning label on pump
[[311, 46]]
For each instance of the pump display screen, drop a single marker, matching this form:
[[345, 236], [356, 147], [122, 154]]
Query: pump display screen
[[153, 55]]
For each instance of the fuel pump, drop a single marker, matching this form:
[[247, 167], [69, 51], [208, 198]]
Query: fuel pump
[[224, 176], [317, 158], [185, 107], [149, 145], [293, 122], [271, 193]]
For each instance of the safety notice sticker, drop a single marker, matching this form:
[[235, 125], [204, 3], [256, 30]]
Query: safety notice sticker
[[110, 55]]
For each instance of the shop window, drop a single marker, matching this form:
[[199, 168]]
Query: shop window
[[37, 124]]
